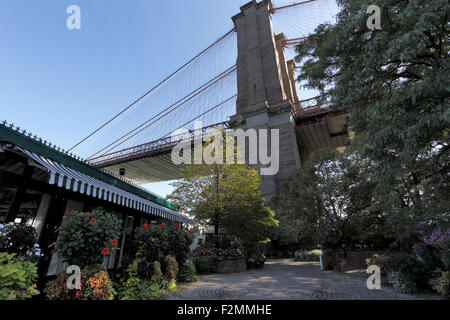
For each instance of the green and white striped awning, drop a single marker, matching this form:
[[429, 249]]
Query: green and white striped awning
[[71, 179]]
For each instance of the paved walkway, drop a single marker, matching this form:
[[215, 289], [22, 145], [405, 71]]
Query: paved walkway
[[286, 279]]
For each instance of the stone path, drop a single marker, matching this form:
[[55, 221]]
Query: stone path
[[286, 279]]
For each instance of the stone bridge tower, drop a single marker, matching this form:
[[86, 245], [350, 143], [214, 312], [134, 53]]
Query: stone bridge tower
[[266, 87]]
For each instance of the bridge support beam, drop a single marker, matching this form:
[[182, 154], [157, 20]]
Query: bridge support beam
[[265, 91]]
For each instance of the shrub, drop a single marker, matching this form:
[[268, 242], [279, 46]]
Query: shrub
[[17, 277], [437, 233], [313, 255], [410, 269], [134, 288], [187, 272], [156, 271], [4, 236], [332, 259], [155, 241], [445, 259], [219, 254], [441, 283], [401, 282], [380, 261], [427, 255], [85, 238], [172, 285], [144, 267], [151, 241], [56, 289], [133, 268], [21, 240], [204, 264], [170, 267], [179, 241], [95, 285], [255, 258], [137, 289], [148, 270]]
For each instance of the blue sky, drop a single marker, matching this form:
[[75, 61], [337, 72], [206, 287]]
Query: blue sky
[[61, 84]]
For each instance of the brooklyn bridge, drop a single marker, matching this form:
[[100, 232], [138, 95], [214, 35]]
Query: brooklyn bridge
[[245, 79]]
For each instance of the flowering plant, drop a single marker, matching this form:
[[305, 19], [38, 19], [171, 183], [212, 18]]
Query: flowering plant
[[85, 238], [95, 285], [435, 235], [155, 241], [98, 287]]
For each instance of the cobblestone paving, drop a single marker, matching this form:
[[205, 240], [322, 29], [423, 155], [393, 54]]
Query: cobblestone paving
[[287, 280]]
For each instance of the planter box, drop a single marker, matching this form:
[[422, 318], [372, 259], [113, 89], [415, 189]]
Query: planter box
[[231, 266]]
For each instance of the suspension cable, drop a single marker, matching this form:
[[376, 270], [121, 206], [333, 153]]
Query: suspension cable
[[291, 5], [151, 90], [209, 110], [192, 95], [165, 136]]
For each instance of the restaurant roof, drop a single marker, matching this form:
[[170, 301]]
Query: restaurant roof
[[82, 176]]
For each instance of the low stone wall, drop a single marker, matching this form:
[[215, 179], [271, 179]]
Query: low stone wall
[[231, 266]]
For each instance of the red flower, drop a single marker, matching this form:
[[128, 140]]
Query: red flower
[[70, 213], [190, 233], [177, 225], [161, 226], [92, 221], [88, 215], [78, 294], [185, 240], [145, 226], [114, 242], [105, 251]]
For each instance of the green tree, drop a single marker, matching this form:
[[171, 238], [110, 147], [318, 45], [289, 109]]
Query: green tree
[[225, 196], [394, 82], [331, 202]]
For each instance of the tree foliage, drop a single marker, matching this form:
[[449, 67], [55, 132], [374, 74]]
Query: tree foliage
[[225, 196], [331, 202], [394, 83]]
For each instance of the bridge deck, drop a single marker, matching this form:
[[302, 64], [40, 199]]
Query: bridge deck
[[316, 127], [149, 162]]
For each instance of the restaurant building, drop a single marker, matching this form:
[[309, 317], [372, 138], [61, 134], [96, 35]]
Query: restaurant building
[[40, 184]]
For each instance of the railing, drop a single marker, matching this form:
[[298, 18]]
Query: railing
[[301, 110], [153, 146], [310, 107]]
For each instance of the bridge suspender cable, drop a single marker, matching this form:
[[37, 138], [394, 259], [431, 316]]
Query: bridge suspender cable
[[162, 116], [165, 136], [291, 5], [209, 110], [151, 90], [173, 107]]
